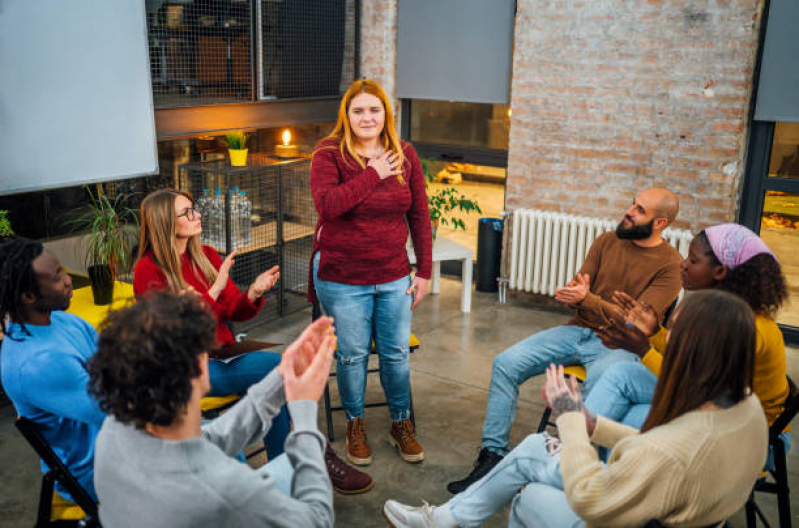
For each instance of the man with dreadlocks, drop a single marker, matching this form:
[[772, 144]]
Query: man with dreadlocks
[[44, 354]]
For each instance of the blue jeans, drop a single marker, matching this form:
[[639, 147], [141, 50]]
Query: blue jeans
[[542, 502], [565, 345], [362, 313], [280, 469], [624, 389], [236, 376], [624, 394]]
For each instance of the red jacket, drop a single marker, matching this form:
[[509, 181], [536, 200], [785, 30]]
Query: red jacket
[[362, 226], [231, 305]]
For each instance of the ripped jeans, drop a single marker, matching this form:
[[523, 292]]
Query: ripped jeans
[[362, 313]]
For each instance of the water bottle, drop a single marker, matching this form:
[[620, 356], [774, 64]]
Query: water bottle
[[246, 219], [202, 206], [219, 220], [235, 232]]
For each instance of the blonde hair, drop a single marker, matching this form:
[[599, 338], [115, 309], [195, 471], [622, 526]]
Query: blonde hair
[[158, 234], [343, 131]]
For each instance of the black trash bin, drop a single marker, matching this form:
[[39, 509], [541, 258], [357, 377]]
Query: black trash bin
[[489, 253]]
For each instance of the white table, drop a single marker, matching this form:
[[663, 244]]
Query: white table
[[445, 249]]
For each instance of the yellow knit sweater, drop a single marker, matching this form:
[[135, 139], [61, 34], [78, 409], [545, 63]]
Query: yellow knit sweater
[[770, 380], [696, 470]]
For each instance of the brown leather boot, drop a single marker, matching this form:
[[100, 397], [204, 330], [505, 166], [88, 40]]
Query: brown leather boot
[[346, 479], [403, 437], [358, 451]]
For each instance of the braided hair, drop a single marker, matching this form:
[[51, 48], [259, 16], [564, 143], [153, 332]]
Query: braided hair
[[16, 277]]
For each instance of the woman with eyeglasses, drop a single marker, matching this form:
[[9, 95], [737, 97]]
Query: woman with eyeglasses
[[172, 258]]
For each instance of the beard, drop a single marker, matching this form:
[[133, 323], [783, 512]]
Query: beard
[[635, 232]]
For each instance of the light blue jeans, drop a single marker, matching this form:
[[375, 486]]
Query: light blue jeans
[[542, 502], [236, 376], [362, 313], [624, 394], [280, 469], [564, 345]]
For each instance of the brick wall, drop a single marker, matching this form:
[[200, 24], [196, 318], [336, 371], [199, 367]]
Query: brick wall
[[379, 46], [611, 96]]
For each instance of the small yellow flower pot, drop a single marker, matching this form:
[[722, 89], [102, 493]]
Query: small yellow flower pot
[[238, 157]]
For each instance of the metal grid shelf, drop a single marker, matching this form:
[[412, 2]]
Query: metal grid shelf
[[283, 219]]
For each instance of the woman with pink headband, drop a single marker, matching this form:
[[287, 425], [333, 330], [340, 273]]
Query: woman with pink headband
[[727, 257]]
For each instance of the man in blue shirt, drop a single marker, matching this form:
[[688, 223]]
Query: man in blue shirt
[[44, 353]]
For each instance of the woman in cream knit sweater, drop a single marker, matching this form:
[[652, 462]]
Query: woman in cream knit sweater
[[692, 464]]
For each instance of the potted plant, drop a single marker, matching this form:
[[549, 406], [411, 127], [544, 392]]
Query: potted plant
[[446, 204], [6, 233], [237, 148], [108, 241]]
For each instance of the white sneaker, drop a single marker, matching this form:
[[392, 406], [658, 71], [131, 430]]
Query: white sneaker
[[401, 516]]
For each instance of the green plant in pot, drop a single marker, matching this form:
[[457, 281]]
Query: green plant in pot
[[237, 148], [111, 230], [446, 204], [6, 233]]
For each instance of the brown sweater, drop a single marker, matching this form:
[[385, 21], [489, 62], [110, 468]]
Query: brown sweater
[[696, 470], [646, 274]]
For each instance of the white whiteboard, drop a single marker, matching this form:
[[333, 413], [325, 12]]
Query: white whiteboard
[[75, 96]]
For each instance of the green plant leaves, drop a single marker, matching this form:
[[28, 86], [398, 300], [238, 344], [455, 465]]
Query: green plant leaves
[[443, 202], [108, 236], [236, 140]]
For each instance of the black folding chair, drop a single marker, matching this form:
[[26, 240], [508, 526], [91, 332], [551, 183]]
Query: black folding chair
[[778, 483], [54, 510]]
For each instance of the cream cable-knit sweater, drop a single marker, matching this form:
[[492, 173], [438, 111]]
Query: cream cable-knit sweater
[[693, 471]]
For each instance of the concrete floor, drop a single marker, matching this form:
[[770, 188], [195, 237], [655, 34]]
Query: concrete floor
[[450, 378]]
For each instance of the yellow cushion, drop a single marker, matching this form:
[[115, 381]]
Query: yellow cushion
[[210, 403], [83, 306], [413, 345], [578, 371], [64, 510]]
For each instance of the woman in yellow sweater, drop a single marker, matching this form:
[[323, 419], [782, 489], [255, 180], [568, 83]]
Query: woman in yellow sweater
[[728, 257], [675, 470]]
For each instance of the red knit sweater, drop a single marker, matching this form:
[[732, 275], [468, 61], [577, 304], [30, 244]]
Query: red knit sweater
[[362, 219], [231, 305]]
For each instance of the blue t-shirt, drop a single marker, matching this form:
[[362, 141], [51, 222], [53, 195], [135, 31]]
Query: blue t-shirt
[[45, 376]]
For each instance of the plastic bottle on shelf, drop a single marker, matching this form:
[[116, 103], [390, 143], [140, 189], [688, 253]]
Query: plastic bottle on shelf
[[235, 231], [202, 206], [219, 220], [246, 219]]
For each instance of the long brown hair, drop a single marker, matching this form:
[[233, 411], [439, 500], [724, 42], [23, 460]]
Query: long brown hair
[[342, 133], [710, 355], [158, 228]]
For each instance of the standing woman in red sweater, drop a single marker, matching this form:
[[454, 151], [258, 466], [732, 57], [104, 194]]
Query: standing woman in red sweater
[[171, 258], [368, 188]]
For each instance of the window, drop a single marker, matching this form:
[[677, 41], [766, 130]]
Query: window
[[227, 51]]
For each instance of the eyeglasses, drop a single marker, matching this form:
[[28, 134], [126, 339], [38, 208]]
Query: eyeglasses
[[189, 213]]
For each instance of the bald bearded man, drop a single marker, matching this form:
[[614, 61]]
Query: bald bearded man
[[634, 259]]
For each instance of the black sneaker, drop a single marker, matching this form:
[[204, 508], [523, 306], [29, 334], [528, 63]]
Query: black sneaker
[[485, 463]]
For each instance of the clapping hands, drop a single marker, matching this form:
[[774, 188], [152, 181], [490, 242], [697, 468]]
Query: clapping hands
[[575, 291], [632, 333], [563, 396], [305, 366], [263, 283]]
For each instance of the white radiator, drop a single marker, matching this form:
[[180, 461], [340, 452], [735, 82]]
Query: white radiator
[[547, 249]]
